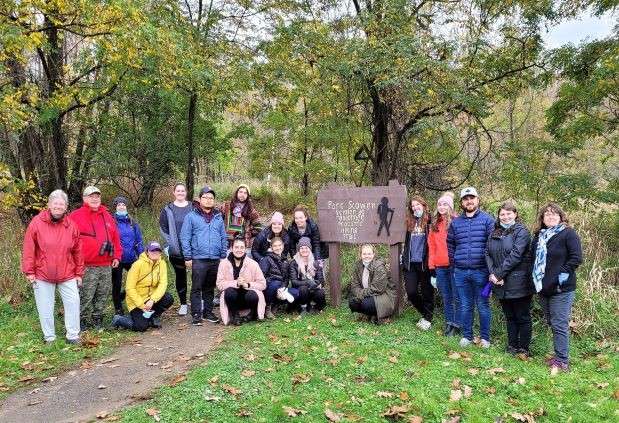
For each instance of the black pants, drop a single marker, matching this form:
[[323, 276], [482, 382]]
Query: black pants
[[241, 299], [308, 295], [178, 264], [140, 323], [419, 290], [518, 318], [365, 306], [117, 283], [203, 278]]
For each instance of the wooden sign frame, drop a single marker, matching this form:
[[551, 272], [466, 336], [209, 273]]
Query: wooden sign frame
[[372, 215]]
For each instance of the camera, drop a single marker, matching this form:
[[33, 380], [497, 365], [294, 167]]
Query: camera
[[106, 248]]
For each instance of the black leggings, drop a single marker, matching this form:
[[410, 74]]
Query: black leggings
[[178, 264], [365, 306], [117, 283], [419, 290], [140, 323], [518, 318], [308, 295], [240, 299]]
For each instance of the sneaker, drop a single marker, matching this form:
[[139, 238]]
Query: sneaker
[[268, 313], [196, 320], [235, 320], [182, 310], [550, 360], [512, 350], [465, 342], [210, 317], [485, 343], [156, 322], [423, 324], [303, 311], [564, 367], [49, 341], [447, 330], [75, 341]]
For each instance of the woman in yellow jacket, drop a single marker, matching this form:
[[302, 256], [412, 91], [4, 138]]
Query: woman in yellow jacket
[[147, 298]]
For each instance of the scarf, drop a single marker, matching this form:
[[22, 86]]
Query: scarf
[[237, 210], [309, 271], [539, 267], [365, 277], [236, 270]]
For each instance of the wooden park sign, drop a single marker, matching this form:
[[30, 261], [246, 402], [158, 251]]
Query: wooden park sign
[[367, 215]]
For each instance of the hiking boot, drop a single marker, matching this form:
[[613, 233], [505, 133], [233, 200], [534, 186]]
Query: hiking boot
[[182, 310], [303, 311], [268, 313], [196, 320], [235, 319], [465, 342], [210, 317], [156, 322]]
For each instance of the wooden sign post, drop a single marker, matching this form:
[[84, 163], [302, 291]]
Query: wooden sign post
[[367, 215]]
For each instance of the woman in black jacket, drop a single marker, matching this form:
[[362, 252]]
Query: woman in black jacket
[[303, 225], [507, 257], [557, 254], [262, 242], [274, 266], [306, 279]]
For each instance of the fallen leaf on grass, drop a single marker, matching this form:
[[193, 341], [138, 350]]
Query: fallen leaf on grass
[[26, 365], [490, 390], [154, 413], [404, 396], [396, 411], [468, 391], [332, 416], [616, 395], [455, 384], [231, 390], [496, 370], [602, 385], [26, 379], [293, 412], [385, 394], [454, 355], [528, 418], [214, 380], [249, 357], [282, 358], [415, 419], [393, 359], [247, 373], [452, 419], [362, 359], [300, 378], [244, 413], [456, 395], [473, 371], [520, 381], [177, 379]]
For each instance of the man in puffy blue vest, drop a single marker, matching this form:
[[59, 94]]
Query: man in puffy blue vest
[[204, 242], [467, 237]]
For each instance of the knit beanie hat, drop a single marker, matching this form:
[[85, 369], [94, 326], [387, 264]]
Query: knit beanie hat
[[446, 198], [277, 218], [118, 200], [304, 241], [246, 188]]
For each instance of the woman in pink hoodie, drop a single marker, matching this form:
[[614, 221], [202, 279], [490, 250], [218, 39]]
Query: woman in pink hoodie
[[241, 283]]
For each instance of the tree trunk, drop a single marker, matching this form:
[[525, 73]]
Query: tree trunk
[[191, 119], [305, 178], [380, 139]]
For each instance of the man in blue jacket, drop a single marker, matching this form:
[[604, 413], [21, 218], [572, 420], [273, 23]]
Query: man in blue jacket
[[204, 241], [467, 237]]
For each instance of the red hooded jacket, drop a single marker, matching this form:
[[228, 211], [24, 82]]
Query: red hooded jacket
[[96, 228], [437, 246], [52, 250]]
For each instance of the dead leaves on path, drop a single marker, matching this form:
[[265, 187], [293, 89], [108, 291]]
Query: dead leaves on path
[[332, 416], [528, 417], [293, 412]]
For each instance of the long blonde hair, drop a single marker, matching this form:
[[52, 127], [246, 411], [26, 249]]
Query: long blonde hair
[[310, 270]]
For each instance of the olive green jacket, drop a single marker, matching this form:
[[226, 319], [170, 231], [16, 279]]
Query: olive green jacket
[[380, 287]]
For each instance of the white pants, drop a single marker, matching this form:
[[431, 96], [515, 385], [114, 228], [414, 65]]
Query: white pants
[[45, 296]]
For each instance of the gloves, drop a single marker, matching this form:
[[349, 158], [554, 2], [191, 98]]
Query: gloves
[[433, 281], [563, 277]]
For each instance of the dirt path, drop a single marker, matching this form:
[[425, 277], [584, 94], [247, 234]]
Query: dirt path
[[154, 358]]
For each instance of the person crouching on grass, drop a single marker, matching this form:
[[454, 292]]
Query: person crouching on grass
[[146, 297], [372, 292], [306, 279], [241, 283]]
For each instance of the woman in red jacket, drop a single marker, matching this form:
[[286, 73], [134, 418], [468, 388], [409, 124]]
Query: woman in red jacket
[[52, 258], [438, 263]]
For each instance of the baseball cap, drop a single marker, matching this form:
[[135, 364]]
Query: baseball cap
[[468, 191], [205, 190], [154, 246], [91, 190]]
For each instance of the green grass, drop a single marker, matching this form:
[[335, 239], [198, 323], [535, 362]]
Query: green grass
[[25, 358], [358, 370]]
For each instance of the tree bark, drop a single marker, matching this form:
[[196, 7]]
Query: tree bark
[[191, 119]]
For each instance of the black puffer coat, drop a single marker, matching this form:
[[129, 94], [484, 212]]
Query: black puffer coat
[[275, 268]]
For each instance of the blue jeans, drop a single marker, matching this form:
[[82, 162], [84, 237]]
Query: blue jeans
[[451, 301], [470, 283], [270, 293], [557, 310]]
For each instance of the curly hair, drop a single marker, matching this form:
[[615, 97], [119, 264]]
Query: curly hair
[[551, 207]]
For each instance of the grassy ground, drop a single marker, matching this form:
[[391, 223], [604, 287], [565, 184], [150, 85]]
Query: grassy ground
[[332, 365], [25, 358]]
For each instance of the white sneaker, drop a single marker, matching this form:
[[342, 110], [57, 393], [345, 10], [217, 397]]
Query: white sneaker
[[485, 344], [182, 310], [464, 342], [423, 324]]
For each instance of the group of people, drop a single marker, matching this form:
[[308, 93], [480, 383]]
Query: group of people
[[260, 271]]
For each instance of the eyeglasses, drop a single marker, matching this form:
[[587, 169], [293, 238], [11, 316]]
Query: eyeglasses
[[207, 197]]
